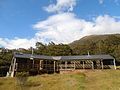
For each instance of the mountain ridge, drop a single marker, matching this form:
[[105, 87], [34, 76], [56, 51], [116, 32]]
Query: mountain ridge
[[93, 38]]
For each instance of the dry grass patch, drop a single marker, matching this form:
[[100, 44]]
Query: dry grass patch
[[57, 82], [8, 84], [103, 80]]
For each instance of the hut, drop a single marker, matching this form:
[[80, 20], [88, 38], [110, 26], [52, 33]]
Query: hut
[[57, 64]]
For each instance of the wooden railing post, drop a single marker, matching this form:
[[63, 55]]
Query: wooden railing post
[[83, 65], [65, 64], [74, 65], [92, 65], [102, 64], [114, 64], [54, 66]]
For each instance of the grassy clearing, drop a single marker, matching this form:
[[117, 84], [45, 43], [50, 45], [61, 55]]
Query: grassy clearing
[[103, 80], [88, 80]]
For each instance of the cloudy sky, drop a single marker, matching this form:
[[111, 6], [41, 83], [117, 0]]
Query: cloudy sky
[[25, 22]]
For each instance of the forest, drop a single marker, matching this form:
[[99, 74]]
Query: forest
[[94, 44]]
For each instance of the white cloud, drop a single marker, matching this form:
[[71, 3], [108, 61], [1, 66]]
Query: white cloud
[[106, 24], [101, 1], [117, 2], [17, 43], [2, 42], [59, 28], [61, 6], [66, 27]]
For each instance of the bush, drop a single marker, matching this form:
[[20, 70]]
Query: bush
[[22, 74], [22, 79]]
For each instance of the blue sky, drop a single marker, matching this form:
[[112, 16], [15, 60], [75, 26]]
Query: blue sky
[[18, 16], [24, 22]]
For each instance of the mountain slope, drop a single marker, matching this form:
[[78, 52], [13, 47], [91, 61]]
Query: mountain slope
[[98, 44], [93, 38]]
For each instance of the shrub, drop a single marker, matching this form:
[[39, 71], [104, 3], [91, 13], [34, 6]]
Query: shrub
[[22, 74]]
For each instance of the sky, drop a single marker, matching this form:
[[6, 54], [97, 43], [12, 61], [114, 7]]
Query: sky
[[25, 22]]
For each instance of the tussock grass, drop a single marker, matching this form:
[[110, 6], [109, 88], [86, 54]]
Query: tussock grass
[[103, 80], [45, 82], [88, 80]]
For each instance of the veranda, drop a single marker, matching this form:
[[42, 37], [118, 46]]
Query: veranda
[[57, 64]]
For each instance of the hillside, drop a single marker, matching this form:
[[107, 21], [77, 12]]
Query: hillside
[[98, 44], [94, 38]]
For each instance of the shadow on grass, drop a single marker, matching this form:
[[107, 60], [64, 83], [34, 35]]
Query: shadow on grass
[[1, 83]]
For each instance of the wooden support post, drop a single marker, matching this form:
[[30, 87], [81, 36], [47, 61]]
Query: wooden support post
[[14, 64], [83, 65], [65, 64], [102, 64], [74, 65], [114, 64], [54, 66], [13, 68], [92, 65], [40, 65]]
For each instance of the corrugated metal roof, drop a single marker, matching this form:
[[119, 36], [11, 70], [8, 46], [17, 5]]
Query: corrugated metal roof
[[80, 57], [32, 56]]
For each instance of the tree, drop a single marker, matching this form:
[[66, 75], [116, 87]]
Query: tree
[[53, 49]]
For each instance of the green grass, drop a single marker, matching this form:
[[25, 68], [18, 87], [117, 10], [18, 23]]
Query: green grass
[[88, 80]]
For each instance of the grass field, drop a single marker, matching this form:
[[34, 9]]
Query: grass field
[[87, 80]]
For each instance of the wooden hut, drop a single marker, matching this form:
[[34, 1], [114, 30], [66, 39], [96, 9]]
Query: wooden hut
[[52, 64]]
